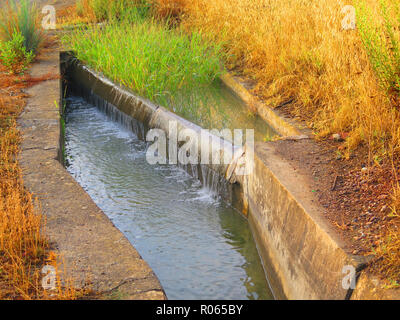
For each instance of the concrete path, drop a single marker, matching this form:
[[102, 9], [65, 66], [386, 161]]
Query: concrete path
[[92, 248]]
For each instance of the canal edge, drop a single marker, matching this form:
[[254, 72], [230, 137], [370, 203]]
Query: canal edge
[[299, 257], [90, 248], [368, 287]]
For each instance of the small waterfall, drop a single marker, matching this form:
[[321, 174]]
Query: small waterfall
[[210, 179]]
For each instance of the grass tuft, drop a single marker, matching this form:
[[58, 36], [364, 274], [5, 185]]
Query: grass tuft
[[382, 42], [21, 17], [154, 61]]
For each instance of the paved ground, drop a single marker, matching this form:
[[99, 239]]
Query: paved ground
[[92, 248]]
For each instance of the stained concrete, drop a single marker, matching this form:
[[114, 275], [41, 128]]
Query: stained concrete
[[302, 254], [90, 248], [281, 124]]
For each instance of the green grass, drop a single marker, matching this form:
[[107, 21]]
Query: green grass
[[380, 36], [21, 17], [116, 9], [148, 57]]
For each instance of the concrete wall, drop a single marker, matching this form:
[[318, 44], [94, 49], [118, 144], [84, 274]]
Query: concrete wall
[[99, 91], [302, 255]]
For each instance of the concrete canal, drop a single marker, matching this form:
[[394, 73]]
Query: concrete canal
[[198, 246]]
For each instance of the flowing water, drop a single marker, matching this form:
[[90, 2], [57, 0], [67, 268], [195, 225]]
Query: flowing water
[[199, 247], [217, 107]]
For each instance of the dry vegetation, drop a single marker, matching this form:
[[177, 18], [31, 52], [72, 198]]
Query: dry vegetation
[[24, 249], [297, 49], [76, 14], [341, 81]]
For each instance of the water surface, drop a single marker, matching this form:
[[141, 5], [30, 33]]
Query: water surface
[[198, 247], [217, 107]]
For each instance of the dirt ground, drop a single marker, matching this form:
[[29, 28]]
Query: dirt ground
[[356, 193]]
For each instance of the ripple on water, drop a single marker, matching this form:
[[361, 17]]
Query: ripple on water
[[198, 247]]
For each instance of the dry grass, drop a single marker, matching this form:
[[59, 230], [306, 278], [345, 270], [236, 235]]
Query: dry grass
[[76, 14], [297, 49], [388, 257], [95, 11], [24, 249], [171, 9], [342, 81]]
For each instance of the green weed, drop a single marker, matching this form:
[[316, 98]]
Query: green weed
[[381, 41], [155, 61], [13, 54], [21, 17]]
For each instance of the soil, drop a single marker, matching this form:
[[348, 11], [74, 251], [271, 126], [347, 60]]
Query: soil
[[356, 196], [356, 192]]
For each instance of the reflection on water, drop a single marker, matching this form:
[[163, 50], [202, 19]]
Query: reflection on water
[[198, 247], [216, 107]]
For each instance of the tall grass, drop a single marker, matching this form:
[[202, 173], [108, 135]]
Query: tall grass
[[153, 60], [340, 80], [298, 50], [116, 9], [92, 11], [381, 38], [21, 17]]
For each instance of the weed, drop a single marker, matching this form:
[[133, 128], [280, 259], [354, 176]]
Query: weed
[[100, 9], [154, 61], [13, 54], [389, 252], [116, 9], [381, 42], [21, 17]]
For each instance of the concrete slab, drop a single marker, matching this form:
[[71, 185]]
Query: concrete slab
[[88, 245]]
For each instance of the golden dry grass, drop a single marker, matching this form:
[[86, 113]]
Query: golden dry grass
[[74, 14], [24, 248], [298, 50], [168, 8]]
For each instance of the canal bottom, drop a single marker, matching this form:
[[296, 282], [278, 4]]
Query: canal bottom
[[198, 246]]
